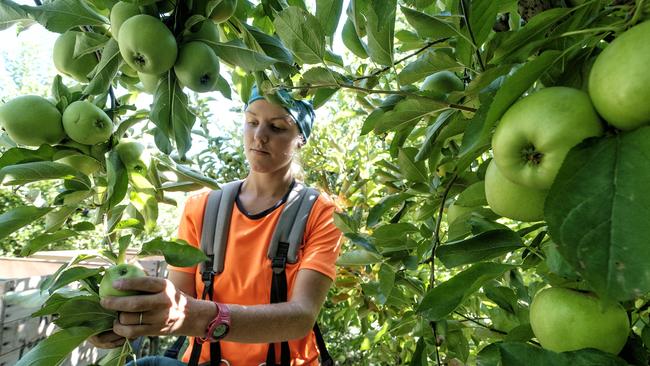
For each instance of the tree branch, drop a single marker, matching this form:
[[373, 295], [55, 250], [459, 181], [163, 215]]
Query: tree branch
[[378, 91], [428, 45], [471, 34]]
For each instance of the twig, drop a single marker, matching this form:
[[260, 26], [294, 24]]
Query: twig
[[379, 91], [471, 34], [428, 45]]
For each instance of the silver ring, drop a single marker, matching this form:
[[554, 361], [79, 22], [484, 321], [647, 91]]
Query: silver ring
[[140, 318]]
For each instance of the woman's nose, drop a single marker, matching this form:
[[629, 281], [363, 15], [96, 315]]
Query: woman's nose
[[261, 134]]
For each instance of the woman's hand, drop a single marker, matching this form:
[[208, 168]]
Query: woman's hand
[[160, 310], [107, 339]]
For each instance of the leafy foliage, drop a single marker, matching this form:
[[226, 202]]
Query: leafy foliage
[[414, 287]]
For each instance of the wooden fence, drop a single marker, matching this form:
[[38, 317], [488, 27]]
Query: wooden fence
[[20, 279]]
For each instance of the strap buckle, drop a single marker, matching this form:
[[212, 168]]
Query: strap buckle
[[279, 264]]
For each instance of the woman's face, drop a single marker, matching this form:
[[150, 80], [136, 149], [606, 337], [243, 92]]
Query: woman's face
[[271, 137]]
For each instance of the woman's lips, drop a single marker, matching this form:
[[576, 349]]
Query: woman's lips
[[260, 152]]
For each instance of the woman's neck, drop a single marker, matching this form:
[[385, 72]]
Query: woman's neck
[[273, 184]]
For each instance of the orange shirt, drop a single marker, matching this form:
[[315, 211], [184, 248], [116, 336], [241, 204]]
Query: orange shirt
[[246, 279]]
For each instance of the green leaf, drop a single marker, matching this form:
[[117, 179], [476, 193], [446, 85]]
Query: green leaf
[[385, 204], [433, 131], [386, 283], [358, 257], [486, 245], [482, 16], [380, 17], [328, 13], [272, 46], [37, 171], [406, 113], [106, 70], [14, 219], [427, 26], [345, 223], [11, 14], [394, 231], [236, 53], [534, 30], [60, 15], [322, 75], [185, 173], [41, 241], [71, 274], [516, 354], [19, 155], [302, 34], [598, 213], [56, 347], [515, 85], [429, 62], [413, 171], [88, 42], [171, 114], [84, 311], [447, 296], [118, 181], [472, 196], [177, 253]]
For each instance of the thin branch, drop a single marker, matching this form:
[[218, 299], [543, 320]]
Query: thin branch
[[435, 339], [428, 45], [378, 91], [471, 34], [472, 320]]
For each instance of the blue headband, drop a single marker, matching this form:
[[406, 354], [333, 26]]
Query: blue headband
[[301, 111]]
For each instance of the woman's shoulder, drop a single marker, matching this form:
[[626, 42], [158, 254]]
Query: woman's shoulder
[[195, 202]]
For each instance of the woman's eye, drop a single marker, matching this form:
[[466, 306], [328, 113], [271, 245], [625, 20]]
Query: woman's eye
[[276, 128], [252, 123]]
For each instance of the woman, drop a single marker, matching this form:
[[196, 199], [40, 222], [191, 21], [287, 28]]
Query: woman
[[272, 136]]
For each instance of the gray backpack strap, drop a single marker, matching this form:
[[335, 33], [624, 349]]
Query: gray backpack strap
[[291, 225], [209, 223], [216, 221]]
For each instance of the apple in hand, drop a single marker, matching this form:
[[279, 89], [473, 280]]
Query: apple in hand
[[568, 320], [119, 272]]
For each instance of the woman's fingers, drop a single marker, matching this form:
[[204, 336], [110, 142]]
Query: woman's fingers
[[142, 284], [108, 339]]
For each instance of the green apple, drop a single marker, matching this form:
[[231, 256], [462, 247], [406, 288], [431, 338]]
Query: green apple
[[119, 272], [223, 11], [64, 60], [568, 320], [535, 134], [120, 12], [197, 67], [352, 41], [454, 211], [149, 82], [133, 155], [147, 45], [32, 121], [513, 200], [442, 83], [619, 82], [86, 123], [203, 31]]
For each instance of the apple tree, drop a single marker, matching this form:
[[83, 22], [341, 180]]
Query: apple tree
[[490, 160]]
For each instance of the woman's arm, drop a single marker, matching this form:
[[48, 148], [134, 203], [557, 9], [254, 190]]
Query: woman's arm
[[283, 321], [168, 310]]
